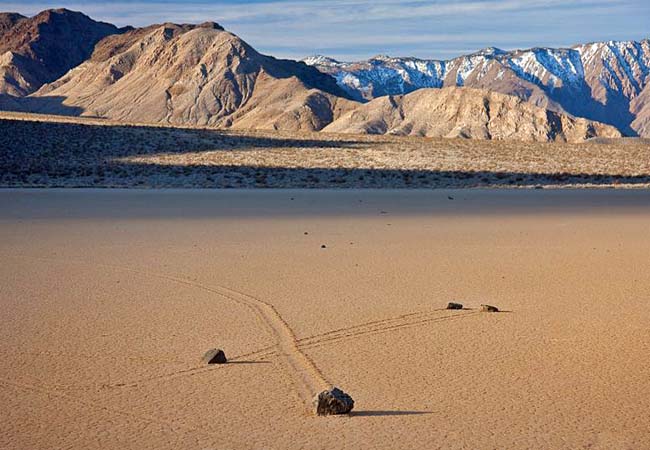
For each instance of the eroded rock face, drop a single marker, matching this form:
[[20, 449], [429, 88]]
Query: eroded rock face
[[215, 356], [452, 305], [333, 402]]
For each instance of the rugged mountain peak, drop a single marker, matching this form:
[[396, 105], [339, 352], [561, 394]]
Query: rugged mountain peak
[[48, 14], [47, 46], [65, 17], [317, 60], [381, 58], [489, 52], [9, 20], [11, 17], [189, 74], [211, 25], [117, 43]]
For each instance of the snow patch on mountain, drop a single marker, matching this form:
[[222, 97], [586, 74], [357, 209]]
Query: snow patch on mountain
[[467, 65], [320, 60], [622, 66], [548, 67]]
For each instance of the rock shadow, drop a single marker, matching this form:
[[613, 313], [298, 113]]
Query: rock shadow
[[385, 413]]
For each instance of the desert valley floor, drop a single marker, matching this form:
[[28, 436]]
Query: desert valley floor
[[110, 298], [55, 151]]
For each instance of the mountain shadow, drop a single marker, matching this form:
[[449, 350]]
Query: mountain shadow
[[39, 105]]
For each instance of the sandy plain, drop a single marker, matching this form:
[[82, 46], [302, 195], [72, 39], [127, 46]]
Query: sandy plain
[[109, 299]]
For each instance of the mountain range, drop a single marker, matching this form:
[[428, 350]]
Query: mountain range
[[606, 81], [63, 62]]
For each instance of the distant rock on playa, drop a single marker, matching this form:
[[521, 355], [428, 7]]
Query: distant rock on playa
[[333, 402], [215, 356], [452, 305], [489, 308]]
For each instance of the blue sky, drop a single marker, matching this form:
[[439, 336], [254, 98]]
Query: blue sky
[[355, 29]]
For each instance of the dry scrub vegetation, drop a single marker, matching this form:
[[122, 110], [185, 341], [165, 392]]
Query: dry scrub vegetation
[[79, 152]]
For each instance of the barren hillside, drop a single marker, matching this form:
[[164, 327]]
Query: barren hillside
[[467, 113], [196, 75]]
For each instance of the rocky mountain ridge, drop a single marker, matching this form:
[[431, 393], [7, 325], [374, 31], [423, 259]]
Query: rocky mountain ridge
[[605, 81], [62, 62]]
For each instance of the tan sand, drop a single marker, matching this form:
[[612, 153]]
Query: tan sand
[[110, 299]]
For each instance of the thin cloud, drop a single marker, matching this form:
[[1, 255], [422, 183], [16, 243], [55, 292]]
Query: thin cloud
[[352, 29]]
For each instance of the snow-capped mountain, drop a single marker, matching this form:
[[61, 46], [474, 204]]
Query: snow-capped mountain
[[604, 81]]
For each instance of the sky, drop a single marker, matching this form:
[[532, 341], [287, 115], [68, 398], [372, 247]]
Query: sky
[[354, 29]]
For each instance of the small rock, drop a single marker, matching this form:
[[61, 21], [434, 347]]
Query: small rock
[[333, 402], [489, 308], [215, 356], [323, 246], [306, 233], [450, 198], [452, 305]]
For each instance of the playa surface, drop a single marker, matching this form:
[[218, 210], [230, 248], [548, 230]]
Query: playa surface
[[110, 298]]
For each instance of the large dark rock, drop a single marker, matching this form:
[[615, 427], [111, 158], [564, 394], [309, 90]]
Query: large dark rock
[[215, 356], [489, 308], [452, 305], [332, 402]]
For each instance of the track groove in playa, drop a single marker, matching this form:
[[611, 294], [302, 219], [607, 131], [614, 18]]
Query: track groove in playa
[[309, 377], [376, 327], [97, 406], [318, 340]]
